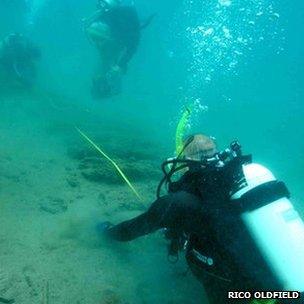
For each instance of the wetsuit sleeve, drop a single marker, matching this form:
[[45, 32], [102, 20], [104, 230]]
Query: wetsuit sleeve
[[176, 211]]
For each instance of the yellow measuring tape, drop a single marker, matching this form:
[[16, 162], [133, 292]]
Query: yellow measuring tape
[[111, 161]]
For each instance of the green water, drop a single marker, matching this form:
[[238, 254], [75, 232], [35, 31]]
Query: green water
[[54, 188]]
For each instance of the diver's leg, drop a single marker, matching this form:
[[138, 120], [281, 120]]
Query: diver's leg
[[100, 86], [216, 290]]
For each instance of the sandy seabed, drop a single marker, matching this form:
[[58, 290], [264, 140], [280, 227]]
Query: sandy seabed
[[50, 252]]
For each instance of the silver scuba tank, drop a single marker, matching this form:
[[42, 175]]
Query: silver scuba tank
[[276, 228]]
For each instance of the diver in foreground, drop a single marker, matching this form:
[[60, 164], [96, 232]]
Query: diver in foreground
[[233, 218], [18, 57], [115, 30]]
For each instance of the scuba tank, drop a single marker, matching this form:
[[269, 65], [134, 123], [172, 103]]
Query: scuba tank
[[256, 226], [274, 225]]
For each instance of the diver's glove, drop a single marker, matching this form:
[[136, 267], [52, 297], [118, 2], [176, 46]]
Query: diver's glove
[[103, 227]]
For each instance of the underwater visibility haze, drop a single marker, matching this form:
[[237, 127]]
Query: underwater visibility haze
[[83, 134]]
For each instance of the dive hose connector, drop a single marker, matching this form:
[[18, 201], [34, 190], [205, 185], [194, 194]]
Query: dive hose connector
[[219, 159]]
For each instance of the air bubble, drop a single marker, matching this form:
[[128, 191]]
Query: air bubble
[[225, 2]]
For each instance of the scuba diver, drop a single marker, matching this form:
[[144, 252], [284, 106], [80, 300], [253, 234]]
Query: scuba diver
[[17, 59], [232, 217], [115, 30]]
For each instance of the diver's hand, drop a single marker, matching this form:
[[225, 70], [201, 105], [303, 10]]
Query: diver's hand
[[103, 227]]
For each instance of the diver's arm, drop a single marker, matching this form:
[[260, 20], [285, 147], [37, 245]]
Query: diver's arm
[[143, 224], [16, 69], [174, 211], [132, 229]]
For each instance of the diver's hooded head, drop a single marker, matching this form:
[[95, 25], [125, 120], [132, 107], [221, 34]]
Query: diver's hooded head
[[108, 4], [199, 146]]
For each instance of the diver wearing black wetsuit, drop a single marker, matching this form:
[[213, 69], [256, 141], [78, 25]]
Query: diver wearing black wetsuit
[[198, 206], [116, 31], [17, 58], [185, 212], [125, 28]]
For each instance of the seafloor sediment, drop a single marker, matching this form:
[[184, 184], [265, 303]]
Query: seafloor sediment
[[53, 190]]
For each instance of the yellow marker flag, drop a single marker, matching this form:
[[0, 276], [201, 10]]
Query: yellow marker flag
[[181, 128], [111, 161]]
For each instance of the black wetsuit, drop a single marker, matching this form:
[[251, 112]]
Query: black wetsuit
[[181, 211], [18, 59], [125, 27], [219, 252]]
